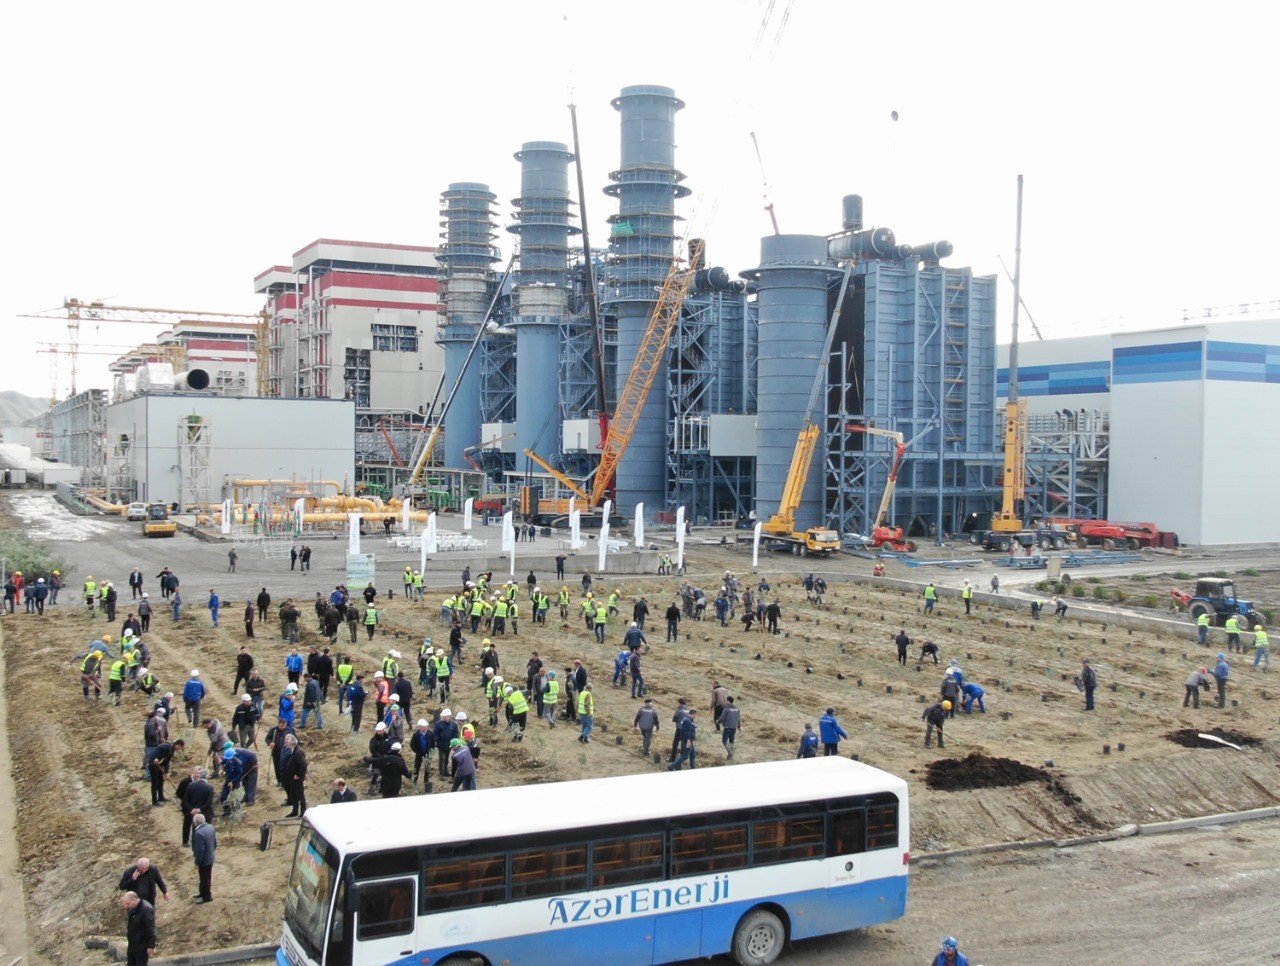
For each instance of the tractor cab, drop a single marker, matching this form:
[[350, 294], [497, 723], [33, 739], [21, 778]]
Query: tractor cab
[[1216, 588]]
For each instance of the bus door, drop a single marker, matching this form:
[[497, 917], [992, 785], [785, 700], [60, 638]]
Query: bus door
[[386, 920], [847, 845]]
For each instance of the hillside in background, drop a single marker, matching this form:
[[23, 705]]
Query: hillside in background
[[16, 409]]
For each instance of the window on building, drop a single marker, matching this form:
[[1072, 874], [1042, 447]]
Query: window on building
[[394, 338]]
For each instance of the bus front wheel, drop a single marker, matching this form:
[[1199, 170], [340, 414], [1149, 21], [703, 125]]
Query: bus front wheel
[[462, 959], [759, 938]]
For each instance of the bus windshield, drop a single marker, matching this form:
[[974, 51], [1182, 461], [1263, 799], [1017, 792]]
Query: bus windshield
[[315, 869]]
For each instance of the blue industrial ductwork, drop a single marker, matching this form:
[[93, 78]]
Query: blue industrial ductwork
[[641, 245], [467, 255], [542, 225]]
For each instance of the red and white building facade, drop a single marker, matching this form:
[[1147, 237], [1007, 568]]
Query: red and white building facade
[[355, 320]]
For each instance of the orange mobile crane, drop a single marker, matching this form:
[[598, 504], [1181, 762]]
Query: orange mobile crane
[[882, 534], [622, 428]]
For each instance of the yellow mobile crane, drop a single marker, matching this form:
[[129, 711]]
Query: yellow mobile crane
[[780, 529]]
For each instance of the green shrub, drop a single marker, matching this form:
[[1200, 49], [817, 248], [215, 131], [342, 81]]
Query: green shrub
[[1183, 575], [1043, 586], [1119, 596], [1250, 572], [1078, 591], [1139, 578], [1219, 573], [1099, 593], [1151, 600], [1093, 580], [23, 553]]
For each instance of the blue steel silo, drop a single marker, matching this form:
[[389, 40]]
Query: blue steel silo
[[641, 246], [792, 297], [468, 255], [542, 225]]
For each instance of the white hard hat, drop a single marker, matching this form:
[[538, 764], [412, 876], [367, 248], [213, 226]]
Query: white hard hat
[[446, 713], [245, 697], [195, 674], [634, 624], [422, 722], [488, 671], [380, 726], [462, 716], [144, 670]]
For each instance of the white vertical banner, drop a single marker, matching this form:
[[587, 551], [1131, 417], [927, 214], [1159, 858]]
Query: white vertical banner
[[353, 533], [604, 543], [575, 529], [299, 509], [430, 541], [608, 510], [466, 513], [573, 504], [638, 531], [227, 509], [424, 547], [509, 538], [755, 545], [406, 515], [679, 537]]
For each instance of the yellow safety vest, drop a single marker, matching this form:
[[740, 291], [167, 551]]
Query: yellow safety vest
[[442, 667], [1202, 620], [370, 616], [501, 609], [518, 703], [117, 671], [1260, 639], [585, 704], [553, 692], [602, 615], [90, 588]]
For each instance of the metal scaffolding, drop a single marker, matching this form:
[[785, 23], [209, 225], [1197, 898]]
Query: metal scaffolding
[[1067, 456], [195, 461], [78, 426]]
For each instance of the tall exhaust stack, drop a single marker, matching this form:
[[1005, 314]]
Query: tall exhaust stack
[[641, 246], [468, 255], [542, 225]]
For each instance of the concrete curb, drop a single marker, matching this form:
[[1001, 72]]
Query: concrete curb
[[1123, 832], [232, 954]]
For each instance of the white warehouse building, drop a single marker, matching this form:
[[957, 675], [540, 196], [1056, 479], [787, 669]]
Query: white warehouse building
[[1176, 417], [181, 447]]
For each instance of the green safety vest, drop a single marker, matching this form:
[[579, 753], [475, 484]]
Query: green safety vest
[[602, 615], [117, 671], [518, 703], [1202, 620], [511, 593], [408, 575], [150, 681], [345, 673], [585, 705], [442, 667], [613, 600], [90, 588], [417, 580], [564, 598], [1260, 639], [390, 668], [477, 607], [132, 658], [501, 609], [513, 611], [490, 689], [930, 593], [90, 665], [588, 606], [553, 692], [371, 616], [1233, 626], [544, 602], [968, 591]]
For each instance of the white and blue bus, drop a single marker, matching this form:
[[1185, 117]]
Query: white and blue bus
[[638, 869]]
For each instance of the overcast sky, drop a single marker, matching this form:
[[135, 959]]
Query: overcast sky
[[164, 154]]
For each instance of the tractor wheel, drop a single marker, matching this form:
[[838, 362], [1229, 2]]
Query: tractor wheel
[[1135, 543], [1245, 621], [1081, 541], [1108, 543], [975, 537], [1003, 544], [1059, 543], [909, 546], [1197, 609], [1046, 543]]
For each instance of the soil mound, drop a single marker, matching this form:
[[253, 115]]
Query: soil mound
[[1190, 738], [981, 771]]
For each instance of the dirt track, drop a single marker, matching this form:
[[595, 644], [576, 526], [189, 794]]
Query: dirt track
[[85, 815]]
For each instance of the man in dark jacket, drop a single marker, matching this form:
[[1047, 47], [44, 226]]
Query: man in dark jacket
[[264, 601], [421, 742], [294, 776], [140, 929], [145, 880], [204, 847], [935, 716], [244, 664], [324, 673], [673, 622], [198, 797], [393, 771], [403, 689], [341, 793]]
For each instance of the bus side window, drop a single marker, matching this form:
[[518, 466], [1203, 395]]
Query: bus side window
[[548, 871], [882, 826], [848, 832], [622, 861], [386, 909]]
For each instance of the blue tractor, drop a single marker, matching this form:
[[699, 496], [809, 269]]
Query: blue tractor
[[1216, 597]]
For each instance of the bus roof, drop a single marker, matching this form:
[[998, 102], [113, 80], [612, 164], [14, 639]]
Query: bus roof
[[377, 824]]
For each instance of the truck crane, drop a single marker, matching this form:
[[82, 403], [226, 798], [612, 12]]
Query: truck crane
[[780, 529], [632, 399], [882, 534]]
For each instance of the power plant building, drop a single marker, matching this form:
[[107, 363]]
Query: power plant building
[[1158, 426]]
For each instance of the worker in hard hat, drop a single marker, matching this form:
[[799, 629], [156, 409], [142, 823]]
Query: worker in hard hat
[[934, 717], [950, 954]]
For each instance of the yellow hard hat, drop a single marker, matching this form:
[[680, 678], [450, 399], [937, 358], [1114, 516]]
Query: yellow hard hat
[[106, 638], [946, 705]]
